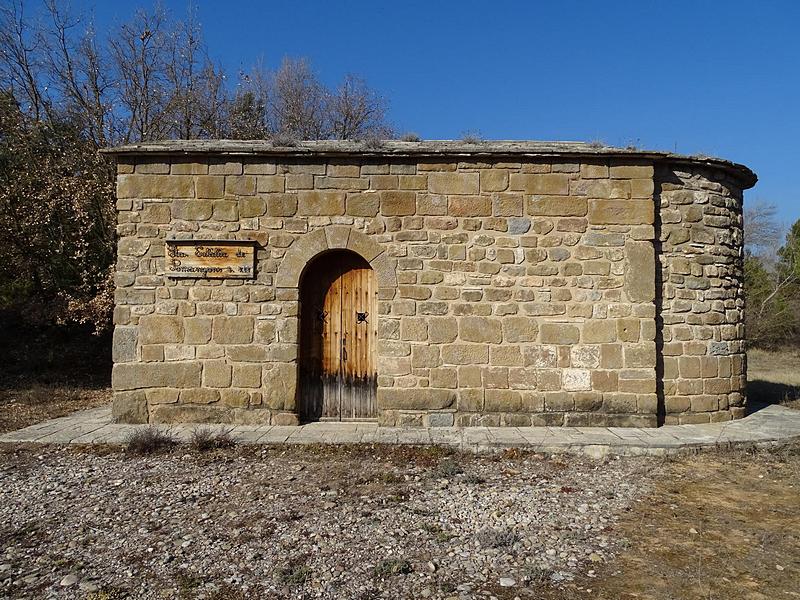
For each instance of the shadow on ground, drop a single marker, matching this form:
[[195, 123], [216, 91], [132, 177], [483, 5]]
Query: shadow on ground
[[761, 394]]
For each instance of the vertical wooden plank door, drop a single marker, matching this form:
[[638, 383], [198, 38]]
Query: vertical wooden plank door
[[338, 314]]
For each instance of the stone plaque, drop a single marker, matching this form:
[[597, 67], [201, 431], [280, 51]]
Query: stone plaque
[[211, 259]]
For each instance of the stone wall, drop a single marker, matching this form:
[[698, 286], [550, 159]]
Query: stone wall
[[514, 290], [701, 261]]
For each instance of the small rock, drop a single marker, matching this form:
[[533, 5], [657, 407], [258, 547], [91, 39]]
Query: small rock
[[507, 582], [69, 580], [780, 567]]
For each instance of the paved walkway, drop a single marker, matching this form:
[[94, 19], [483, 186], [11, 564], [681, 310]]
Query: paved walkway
[[773, 425]]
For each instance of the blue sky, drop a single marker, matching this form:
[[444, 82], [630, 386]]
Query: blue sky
[[719, 78]]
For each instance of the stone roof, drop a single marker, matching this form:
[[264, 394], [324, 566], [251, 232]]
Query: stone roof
[[427, 148]]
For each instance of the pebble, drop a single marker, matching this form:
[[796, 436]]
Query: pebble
[[241, 520]]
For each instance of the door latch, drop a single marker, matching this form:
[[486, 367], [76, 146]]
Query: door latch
[[361, 317]]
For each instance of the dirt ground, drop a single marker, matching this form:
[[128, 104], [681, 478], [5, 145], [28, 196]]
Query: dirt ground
[[723, 526], [715, 526], [35, 403]]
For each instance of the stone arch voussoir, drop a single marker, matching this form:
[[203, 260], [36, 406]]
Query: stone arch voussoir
[[335, 237]]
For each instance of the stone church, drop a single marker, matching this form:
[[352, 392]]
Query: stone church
[[427, 284]]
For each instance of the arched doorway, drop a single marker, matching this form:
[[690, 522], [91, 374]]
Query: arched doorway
[[338, 336]]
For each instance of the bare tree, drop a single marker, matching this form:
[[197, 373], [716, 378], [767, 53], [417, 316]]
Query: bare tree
[[194, 84], [357, 112], [139, 52], [762, 231], [299, 101], [21, 59]]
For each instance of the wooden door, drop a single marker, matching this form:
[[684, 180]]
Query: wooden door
[[338, 322]]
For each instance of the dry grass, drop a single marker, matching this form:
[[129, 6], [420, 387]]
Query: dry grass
[[716, 527], [773, 378], [149, 440], [34, 403]]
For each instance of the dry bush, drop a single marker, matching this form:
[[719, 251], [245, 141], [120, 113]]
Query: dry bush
[[204, 439], [149, 440]]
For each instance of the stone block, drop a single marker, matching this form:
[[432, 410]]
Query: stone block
[[430, 204], [557, 206], [424, 357], [217, 374], [162, 396], [192, 210], [240, 185], [234, 398], [398, 204], [621, 212], [364, 204], [155, 186], [471, 399], [233, 330], [316, 203], [197, 330], [442, 330], [444, 377], [454, 183], [508, 356], [587, 357], [465, 354], [519, 329], [628, 330], [542, 357], [550, 184], [599, 331], [129, 407], [250, 207], [123, 346], [246, 376], [132, 376], [279, 386], [494, 180], [640, 276], [415, 398], [560, 333], [189, 413], [577, 379], [198, 396], [156, 213], [594, 171], [470, 206], [480, 329], [631, 171], [161, 329], [503, 401], [210, 186], [281, 205]]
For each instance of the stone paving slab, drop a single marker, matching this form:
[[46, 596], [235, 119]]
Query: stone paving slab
[[769, 426]]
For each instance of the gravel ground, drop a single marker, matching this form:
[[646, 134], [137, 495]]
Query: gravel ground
[[308, 522]]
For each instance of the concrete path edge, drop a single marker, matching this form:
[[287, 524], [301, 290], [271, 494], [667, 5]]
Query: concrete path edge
[[772, 426]]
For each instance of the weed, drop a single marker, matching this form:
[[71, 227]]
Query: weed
[[537, 574], [187, 583], [285, 139], [473, 479], [472, 137], [448, 468], [149, 440], [392, 566], [496, 538], [597, 144], [410, 137], [389, 477], [294, 574], [204, 439], [373, 143]]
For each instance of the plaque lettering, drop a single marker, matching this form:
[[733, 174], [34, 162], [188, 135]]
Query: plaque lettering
[[205, 259]]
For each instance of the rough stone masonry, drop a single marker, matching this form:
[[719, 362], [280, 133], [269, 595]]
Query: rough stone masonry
[[519, 283]]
